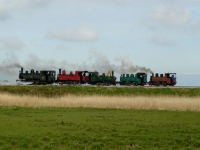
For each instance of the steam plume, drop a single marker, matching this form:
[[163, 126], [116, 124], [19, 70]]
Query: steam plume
[[102, 63], [97, 61], [10, 66]]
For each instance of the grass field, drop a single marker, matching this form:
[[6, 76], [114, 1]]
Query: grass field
[[57, 91], [95, 118], [92, 128]]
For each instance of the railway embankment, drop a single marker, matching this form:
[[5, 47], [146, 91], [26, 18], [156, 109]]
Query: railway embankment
[[59, 91]]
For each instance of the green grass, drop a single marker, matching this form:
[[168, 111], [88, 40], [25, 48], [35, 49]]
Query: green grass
[[56, 91], [87, 128]]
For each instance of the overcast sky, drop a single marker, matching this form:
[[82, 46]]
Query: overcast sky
[[124, 35]]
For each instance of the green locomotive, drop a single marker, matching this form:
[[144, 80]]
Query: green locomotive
[[42, 77], [133, 80], [95, 79]]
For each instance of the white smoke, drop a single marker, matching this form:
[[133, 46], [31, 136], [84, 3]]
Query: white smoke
[[102, 64], [99, 62]]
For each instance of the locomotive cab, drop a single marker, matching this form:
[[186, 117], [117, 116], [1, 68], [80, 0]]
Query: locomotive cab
[[172, 77], [47, 76], [92, 76], [143, 77]]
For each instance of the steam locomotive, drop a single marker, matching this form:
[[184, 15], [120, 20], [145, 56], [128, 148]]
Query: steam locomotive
[[42, 77], [167, 79], [93, 78]]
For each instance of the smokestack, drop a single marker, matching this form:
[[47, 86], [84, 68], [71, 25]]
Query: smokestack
[[59, 71], [21, 70], [156, 74], [112, 73]]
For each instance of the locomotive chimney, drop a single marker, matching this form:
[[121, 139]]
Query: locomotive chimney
[[59, 71], [152, 75], [156, 74], [21, 70], [112, 73]]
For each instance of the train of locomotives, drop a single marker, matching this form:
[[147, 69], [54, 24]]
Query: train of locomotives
[[93, 78]]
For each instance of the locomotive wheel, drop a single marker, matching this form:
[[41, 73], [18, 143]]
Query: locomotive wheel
[[37, 82], [108, 83], [164, 84], [157, 83], [134, 84]]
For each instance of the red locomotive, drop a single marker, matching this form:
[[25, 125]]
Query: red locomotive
[[79, 77]]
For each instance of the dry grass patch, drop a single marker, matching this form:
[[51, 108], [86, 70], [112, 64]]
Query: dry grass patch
[[138, 102]]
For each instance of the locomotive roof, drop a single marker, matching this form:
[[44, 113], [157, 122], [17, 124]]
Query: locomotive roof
[[48, 70], [81, 71], [167, 73], [141, 73], [92, 71]]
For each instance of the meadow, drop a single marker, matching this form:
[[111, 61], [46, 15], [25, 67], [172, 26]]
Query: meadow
[[87, 118], [95, 128], [59, 91]]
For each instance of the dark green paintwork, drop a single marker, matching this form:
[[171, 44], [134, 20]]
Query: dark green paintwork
[[44, 76], [95, 78]]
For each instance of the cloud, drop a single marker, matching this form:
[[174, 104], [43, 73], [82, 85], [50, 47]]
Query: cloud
[[171, 15], [161, 42], [83, 33], [11, 43], [22, 4], [9, 7], [62, 47], [195, 28], [194, 8], [4, 16], [118, 2]]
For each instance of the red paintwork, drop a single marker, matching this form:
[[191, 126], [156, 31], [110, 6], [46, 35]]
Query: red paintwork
[[72, 77]]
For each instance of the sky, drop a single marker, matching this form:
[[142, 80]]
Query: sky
[[126, 36]]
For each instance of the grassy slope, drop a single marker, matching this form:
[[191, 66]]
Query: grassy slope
[[53, 91], [84, 128]]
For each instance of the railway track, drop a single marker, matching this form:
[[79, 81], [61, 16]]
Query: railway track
[[104, 86]]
